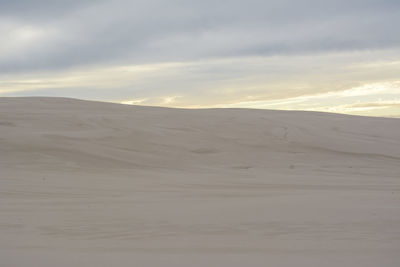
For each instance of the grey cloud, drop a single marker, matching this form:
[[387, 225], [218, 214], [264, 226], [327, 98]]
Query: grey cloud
[[86, 33], [384, 104], [40, 10]]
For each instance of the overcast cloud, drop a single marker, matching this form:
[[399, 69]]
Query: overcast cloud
[[45, 39]]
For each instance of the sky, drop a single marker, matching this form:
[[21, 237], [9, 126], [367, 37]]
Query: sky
[[336, 56]]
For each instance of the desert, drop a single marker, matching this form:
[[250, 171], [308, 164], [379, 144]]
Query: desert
[[86, 183]]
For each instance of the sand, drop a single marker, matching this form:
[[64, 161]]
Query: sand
[[99, 184]]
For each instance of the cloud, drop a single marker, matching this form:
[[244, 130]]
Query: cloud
[[169, 100], [134, 101], [286, 54], [88, 33], [361, 100], [374, 105], [243, 81], [388, 108]]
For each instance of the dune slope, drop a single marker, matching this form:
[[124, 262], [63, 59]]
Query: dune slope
[[97, 184]]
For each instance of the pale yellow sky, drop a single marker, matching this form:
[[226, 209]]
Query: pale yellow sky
[[361, 83]]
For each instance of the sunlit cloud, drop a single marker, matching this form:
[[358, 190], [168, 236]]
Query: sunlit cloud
[[170, 99], [378, 104], [357, 99], [134, 101], [302, 82]]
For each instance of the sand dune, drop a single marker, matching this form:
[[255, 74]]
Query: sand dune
[[97, 184]]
